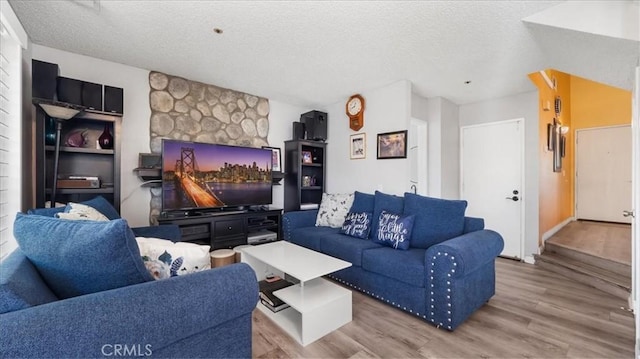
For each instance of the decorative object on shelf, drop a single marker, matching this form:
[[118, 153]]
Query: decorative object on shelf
[[392, 145], [355, 111], [76, 138], [306, 181], [59, 112], [306, 157], [50, 132], [106, 139], [276, 161], [358, 146]]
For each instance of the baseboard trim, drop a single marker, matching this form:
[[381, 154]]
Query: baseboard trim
[[529, 260], [548, 234]]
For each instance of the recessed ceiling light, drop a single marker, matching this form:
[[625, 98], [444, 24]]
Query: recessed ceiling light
[[467, 82], [217, 30]]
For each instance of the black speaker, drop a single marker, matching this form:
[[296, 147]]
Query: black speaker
[[43, 79], [315, 122], [70, 90], [92, 96], [113, 99], [298, 131]]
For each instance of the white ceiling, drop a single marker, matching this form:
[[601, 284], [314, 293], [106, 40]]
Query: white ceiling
[[314, 53]]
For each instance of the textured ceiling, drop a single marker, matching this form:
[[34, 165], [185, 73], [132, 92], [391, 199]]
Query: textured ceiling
[[314, 53]]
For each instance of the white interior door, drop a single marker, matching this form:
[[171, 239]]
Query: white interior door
[[603, 173], [418, 153], [491, 164]]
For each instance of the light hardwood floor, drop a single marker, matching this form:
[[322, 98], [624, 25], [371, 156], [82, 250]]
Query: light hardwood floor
[[534, 314], [610, 241]]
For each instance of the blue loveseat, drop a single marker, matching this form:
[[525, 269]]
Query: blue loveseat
[[204, 314], [447, 273]]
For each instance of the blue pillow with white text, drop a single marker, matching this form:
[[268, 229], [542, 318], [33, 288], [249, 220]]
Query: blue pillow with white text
[[357, 224], [394, 230]]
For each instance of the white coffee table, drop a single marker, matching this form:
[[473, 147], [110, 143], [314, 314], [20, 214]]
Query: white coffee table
[[317, 306]]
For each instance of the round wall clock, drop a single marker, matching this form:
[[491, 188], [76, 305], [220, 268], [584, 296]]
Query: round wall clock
[[355, 111]]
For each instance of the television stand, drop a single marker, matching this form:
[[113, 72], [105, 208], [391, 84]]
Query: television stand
[[224, 229]]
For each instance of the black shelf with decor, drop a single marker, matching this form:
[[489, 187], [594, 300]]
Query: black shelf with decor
[[79, 155], [305, 174]]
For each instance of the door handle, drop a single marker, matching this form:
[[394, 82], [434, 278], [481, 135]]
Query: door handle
[[514, 198], [629, 214]]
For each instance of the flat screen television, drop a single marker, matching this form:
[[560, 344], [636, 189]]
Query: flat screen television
[[198, 176]]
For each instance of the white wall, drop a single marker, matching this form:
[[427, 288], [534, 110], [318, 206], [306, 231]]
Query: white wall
[[281, 118], [387, 109], [450, 151], [518, 106], [134, 206]]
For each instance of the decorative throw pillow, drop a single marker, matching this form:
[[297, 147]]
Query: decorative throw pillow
[[78, 211], [357, 224], [80, 257], [165, 259], [333, 209], [394, 230], [384, 202]]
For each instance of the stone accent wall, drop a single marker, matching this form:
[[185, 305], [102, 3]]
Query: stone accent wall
[[193, 111]]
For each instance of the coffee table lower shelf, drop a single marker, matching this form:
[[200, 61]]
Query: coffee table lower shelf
[[317, 309]]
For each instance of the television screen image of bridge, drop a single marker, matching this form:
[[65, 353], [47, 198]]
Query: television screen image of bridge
[[199, 175]]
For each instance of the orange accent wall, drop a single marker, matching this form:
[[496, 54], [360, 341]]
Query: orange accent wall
[[596, 105], [585, 104]]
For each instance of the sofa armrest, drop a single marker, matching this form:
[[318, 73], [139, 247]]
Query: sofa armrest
[[154, 316], [297, 219], [164, 231], [466, 252]]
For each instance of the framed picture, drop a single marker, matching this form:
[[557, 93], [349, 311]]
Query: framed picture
[[358, 146], [392, 145], [306, 157], [276, 159]]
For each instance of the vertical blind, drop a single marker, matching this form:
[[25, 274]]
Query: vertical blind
[[10, 140]]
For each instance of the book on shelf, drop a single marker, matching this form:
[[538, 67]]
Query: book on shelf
[[266, 292], [272, 308]]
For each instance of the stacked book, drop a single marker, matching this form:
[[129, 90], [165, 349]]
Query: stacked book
[[267, 298]]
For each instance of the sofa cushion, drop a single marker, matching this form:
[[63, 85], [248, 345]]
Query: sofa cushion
[[346, 248], [436, 219], [165, 259], [384, 202], [394, 230], [81, 257], [79, 211], [357, 224], [21, 285], [311, 237], [362, 202], [333, 209], [405, 266]]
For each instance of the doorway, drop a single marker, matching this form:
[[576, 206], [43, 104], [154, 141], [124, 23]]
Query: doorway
[[492, 173], [603, 173]]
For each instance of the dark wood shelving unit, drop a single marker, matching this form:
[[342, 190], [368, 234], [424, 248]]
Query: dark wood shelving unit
[[296, 191]]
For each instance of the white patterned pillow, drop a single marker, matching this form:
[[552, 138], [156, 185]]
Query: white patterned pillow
[[165, 259], [77, 211], [333, 209]]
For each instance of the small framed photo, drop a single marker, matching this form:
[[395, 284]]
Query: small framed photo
[[358, 146], [306, 157], [276, 159], [392, 145]]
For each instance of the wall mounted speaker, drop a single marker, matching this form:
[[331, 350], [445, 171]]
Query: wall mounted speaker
[[298, 131], [113, 99], [69, 90], [92, 96], [43, 79], [315, 123]]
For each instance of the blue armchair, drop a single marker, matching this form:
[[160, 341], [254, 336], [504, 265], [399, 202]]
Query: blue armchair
[[204, 314]]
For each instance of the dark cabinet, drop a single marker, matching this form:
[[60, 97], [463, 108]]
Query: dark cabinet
[[305, 174], [228, 229], [80, 157]]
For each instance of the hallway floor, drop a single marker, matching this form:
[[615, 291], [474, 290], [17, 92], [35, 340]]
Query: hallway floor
[[602, 239]]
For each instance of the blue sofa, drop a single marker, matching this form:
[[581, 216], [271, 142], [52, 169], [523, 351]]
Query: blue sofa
[[447, 273], [204, 314]]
